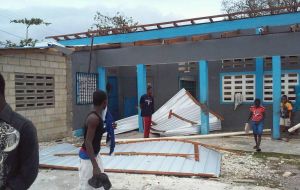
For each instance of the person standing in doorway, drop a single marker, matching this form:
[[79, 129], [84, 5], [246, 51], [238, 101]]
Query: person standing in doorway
[[147, 109], [256, 118], [90, 161], [19, 149], [286, 109]]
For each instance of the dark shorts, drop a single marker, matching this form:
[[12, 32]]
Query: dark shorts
[[257, 127]]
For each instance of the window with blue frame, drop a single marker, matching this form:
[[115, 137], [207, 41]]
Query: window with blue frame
[[232, 83], [289, 80], [244, 83], [86, 85]]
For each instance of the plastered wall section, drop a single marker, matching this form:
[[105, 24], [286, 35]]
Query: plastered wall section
[[51, 123]]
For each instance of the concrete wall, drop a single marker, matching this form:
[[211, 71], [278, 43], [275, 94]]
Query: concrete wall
[[80, 63], [211, 50], [164, 69], [53, 122]]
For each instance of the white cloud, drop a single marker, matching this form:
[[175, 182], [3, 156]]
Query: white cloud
[[69, 16]]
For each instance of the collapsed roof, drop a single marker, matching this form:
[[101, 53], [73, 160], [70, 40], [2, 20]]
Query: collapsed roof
[[179, 116], [161, 157]]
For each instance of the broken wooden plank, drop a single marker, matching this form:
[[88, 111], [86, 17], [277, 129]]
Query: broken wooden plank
[[230, 34], [148, 42], [181, 118], [196, 151], [201, 37], [175, 40], [204, 108], [136, 154]]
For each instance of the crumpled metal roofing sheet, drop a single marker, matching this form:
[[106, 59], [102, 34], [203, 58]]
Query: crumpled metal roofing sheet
[[154, 157], [181, 104]]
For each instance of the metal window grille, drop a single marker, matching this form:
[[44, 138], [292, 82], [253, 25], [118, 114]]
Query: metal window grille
[[187, 67], [288, 82], [86, 85], [238, 63], [34, 91], [244, 84]]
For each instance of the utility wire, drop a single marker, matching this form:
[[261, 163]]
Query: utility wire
[[11, 34]]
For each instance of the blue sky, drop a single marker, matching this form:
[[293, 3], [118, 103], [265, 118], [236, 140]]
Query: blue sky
[[70, 16]]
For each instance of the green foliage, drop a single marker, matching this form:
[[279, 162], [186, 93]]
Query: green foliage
[[8, 44], [232, 6], [119, 21], [28, 42], [30, 22]]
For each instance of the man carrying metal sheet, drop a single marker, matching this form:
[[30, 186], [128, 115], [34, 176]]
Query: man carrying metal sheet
[[19, 154], [147, 109]]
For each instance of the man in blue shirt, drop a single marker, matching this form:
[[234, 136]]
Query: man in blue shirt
[[147, 109]]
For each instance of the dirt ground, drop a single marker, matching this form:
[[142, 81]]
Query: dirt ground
[[241, 169]]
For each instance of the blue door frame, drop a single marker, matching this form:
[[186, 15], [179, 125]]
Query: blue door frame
[[113, 97]]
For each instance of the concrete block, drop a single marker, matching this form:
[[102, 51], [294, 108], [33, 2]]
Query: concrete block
[[24, 61], [53, 64], [30, 69], [59, 58], [45, 64], [36, 56], [35, 63], [62, 65], [12, 77], [58, 72], [50, 57], [41, 70], [11, 92], [13, 60], [3, 59], [50, 71], [9, 83], [49, 111], [8, 68], [20, 69]]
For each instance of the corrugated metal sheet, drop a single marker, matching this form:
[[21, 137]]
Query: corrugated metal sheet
[[166, 163], [181, 104]]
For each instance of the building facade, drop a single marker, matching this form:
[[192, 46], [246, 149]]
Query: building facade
[[38, 86]]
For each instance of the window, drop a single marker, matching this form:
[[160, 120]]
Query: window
[[238, 63], [244, 84], [189, 85], [34, 91], [86, 85], [187, 67], [288, 82]]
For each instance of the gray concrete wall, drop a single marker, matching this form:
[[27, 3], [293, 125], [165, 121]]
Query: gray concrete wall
[[80, 63], [165, 76], [211, 50]]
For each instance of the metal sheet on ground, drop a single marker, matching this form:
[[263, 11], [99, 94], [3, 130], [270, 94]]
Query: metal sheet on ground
[[172, 157]]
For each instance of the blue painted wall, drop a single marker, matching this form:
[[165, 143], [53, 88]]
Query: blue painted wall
[[198, 29], [130, 106], [276, 68], [141, 82], [102, 78], [113, 97], [203, 87], [259, 78]]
